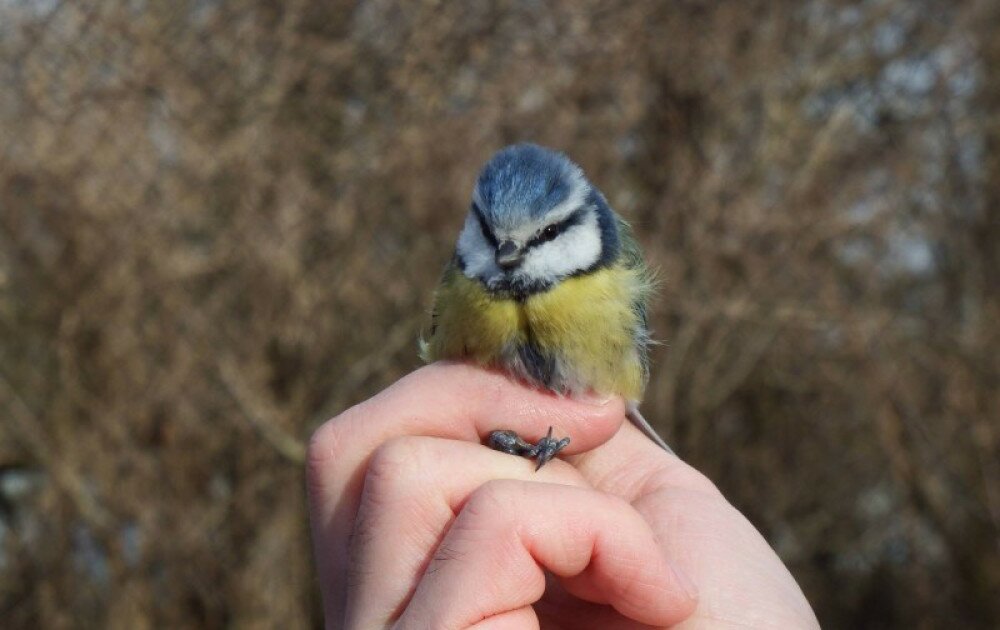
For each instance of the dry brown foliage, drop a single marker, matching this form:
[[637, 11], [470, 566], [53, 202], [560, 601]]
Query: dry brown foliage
[[221, 223]]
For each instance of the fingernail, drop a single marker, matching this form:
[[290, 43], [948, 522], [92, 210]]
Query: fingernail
[[685, 582], [597, 400]]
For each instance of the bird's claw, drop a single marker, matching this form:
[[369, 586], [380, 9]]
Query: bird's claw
[[510, 442]]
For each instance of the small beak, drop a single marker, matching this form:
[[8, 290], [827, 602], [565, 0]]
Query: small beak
[[508, 255]]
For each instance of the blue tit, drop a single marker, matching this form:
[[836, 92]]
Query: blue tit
[[548, 284]]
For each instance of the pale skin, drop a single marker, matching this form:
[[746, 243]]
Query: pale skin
[[417, 525]]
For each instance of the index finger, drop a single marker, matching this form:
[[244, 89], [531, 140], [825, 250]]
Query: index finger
[[446, 400], [495, 555]]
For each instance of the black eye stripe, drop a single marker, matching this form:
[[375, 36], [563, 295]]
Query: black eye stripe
[[484, 226], [546, 235]]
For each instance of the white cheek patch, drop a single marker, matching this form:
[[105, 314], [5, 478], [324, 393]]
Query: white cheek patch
[[476, 251], [574, 250]]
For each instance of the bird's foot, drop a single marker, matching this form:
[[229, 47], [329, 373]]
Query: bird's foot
[[510, 442]]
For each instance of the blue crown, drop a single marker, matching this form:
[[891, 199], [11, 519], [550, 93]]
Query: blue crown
[[525, 179]]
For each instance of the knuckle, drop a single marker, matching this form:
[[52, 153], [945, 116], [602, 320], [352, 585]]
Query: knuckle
[[397, 461], [401, 470], [486, 520], [495, 498], [329, 439]]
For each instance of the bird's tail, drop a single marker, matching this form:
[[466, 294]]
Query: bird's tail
[[632, 413]]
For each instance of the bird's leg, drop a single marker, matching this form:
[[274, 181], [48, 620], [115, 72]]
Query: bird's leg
[[510, 442]]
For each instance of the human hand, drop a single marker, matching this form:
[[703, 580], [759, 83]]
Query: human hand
[[416, 524]]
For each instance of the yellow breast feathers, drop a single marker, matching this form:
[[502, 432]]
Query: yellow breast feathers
[[584, 333]]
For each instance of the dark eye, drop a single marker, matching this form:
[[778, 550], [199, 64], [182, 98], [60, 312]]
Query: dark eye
[[550, 233]]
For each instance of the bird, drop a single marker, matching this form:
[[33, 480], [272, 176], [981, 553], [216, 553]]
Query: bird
[[547, 284]]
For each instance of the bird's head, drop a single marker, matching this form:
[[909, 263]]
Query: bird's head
[[534, 221]]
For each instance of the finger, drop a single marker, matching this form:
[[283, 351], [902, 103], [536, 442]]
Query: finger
[[442, 400], [700, 532], [630, 466], [716, 545], [510, 532], [565, 610], [413, 488], [520, 619]]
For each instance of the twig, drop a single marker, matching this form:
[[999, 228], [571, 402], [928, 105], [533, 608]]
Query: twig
[[68, 481], [259, 414]]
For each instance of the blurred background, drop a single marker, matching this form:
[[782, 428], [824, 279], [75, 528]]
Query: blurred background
[[222, 222]]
